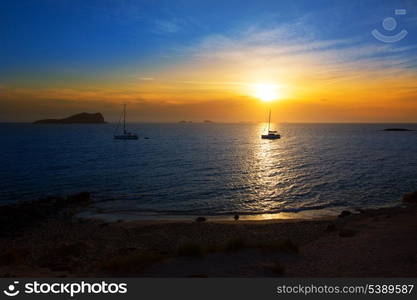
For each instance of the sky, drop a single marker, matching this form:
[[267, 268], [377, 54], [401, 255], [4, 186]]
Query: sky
[[196, 60]]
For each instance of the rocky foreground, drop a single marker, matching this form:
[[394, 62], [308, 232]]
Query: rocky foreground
[[44, 239]]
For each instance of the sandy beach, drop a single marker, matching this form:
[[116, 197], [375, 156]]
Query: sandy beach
[[53, 243]]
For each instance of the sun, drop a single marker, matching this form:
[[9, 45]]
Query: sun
[[266, 92]]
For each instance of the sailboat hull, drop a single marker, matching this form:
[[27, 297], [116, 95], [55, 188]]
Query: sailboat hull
[[126, 137], [270, 136]]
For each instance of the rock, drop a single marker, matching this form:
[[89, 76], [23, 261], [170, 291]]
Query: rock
[[360, 210], [397, 129], [83, 221], [82, 118], [236, 217], [198, 276], [344, 214], [331, 227], [14, 257], [80, 198], [345, 232], [72, 249], [17, 216], [57, 266], [200, 219], [124, 251], [410, 198]]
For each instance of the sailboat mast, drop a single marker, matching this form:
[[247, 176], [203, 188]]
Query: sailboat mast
[[124, 118], [269, 119]]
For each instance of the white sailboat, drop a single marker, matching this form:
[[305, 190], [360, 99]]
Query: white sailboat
[[126, 135], [272, 134]]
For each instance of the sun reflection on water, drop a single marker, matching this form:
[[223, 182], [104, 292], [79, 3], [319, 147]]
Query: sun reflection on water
[[268, 172]]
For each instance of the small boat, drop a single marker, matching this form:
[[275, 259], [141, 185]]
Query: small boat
[[126, 135], [272, 134]]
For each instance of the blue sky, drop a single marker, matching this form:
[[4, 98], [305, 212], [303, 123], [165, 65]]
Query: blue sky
[[84, 44], [54, 34]]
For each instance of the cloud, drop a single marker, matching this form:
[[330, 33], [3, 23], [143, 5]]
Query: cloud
[[166, 26], [290, 51]]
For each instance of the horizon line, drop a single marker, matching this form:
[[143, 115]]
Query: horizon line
[[214, 122]]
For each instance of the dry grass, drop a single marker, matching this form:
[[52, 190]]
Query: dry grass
[[286, 246], [191, 249], [130, 264], [13, 257], [236, 244], [278, 269]]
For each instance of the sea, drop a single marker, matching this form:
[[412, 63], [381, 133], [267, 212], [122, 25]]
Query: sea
[[211, 169]]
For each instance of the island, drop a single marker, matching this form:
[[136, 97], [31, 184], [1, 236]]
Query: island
[[82, 118], [398, 129]]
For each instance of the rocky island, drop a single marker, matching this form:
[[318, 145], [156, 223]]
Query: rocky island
[[82, 118], [397, 129]]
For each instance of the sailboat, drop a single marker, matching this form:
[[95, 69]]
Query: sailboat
[[126, 135], [272, 134]]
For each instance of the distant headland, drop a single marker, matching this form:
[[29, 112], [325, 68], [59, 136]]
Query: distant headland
[[398, 129], [82, 118], [186, 122]]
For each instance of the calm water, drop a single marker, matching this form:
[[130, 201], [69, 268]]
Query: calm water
[[210, 168]]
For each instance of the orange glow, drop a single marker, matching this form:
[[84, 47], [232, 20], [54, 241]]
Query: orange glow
[[309, 89]]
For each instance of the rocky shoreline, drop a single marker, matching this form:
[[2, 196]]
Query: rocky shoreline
[[20, 216], [43, 238]]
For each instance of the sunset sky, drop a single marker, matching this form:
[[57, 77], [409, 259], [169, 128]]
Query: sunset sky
[[196, 60]]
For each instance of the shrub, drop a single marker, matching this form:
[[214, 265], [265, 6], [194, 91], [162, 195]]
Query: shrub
[[132, 263], [286, 246], [236, 244], [278, 269], [190, 249]]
